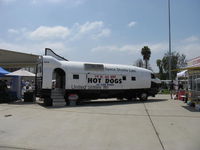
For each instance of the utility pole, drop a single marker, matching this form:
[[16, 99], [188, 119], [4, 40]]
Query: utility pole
[[170, 55]]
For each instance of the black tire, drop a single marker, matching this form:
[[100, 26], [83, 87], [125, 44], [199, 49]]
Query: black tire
[[143, 96], [48, 101], [119, 98], [67, 102], [133, 98], [78, 102], [129, 99]]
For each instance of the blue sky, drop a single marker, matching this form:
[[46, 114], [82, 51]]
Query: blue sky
[[108, 31]]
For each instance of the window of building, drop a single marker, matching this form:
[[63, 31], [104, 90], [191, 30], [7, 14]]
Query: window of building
[[75, 76]]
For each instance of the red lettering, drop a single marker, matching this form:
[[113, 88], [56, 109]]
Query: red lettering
[[112, 76], [107, 77]]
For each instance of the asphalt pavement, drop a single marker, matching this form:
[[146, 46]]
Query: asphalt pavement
[[158, 124]]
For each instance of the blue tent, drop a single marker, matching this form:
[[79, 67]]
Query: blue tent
[[3, 72]]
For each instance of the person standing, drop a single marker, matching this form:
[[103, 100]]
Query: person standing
[[171, 88]]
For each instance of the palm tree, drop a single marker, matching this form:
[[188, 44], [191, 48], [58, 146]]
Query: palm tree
[[159, 64], [146, 53]]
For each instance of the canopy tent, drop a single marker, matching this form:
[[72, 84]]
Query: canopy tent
[[13, 59], [183, 73], [22, 73], [3, 72], [17, 80]]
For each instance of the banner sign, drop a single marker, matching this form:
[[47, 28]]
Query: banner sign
[[103, 81]]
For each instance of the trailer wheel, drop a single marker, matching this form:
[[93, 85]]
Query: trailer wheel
[[48, 101], [143, 96], [130, 99], [78, 102], [67, 102]]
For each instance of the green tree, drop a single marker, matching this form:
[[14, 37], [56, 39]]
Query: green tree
[[159, 64], [161, 74], [177, 61], [182, 61], [146, 53]]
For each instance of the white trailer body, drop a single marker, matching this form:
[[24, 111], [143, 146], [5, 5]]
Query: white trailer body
[[95, 80]]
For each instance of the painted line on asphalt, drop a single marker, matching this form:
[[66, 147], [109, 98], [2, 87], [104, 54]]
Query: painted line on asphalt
[[16, 148], [157, 134]]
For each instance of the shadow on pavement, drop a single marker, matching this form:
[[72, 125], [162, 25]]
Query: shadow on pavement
[[117, 102], [190, 108], [20, 102], [94, 103]]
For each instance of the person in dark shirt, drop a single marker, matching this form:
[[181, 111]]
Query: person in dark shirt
[[3, 86], [4, 96], [180, 86], [171, 88]]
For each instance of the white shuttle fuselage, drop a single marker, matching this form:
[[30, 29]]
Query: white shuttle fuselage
[[95, 80]]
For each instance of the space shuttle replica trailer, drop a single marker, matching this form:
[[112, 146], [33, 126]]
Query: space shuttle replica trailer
[[59, 81]]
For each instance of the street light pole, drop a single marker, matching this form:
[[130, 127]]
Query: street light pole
[[170, 55], [170, 59]]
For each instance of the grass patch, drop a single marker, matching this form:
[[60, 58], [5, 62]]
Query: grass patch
[[164, 91]]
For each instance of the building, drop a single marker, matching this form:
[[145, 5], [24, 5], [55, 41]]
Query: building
[[193, 68]]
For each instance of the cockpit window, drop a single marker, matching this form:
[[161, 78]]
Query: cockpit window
[[153, 76]]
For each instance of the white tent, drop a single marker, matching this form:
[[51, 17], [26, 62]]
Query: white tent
[[22, 73], [17, 76], [182, 73]]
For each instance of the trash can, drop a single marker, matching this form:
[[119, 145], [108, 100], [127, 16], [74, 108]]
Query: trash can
[[73, 99]]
